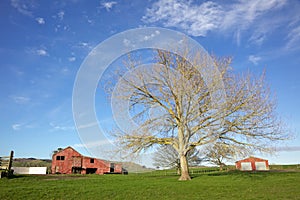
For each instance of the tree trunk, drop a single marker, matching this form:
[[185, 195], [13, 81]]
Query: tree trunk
[[178, 171], [178, 167], [184, 169]]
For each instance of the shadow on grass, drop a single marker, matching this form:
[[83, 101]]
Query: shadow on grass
[[14, 176], [46, 176], [235, 174]]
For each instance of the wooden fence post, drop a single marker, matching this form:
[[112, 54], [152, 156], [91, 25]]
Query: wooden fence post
[[6, 164], [10, 160]]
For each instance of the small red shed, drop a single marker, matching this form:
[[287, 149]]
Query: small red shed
[[69, 161], [252, 164]]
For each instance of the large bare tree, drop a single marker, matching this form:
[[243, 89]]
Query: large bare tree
[[173, 103]]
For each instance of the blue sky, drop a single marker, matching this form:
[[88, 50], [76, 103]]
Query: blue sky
[[43, 44]]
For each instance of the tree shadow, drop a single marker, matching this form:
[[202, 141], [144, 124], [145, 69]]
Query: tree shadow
[[233, 173]]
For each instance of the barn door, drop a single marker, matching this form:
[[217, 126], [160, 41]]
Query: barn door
[[246, 166], [260, 166], [112, 167]]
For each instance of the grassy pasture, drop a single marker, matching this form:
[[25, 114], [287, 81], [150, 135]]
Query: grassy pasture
[[212, 185]]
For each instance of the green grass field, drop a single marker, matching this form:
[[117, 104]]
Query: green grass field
[[213, 185]]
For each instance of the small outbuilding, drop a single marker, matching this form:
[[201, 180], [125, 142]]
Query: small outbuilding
[[30, 170], [252, 164]]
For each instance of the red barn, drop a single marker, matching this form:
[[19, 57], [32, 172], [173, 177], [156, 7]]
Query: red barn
[[252, 164], [69, 161]]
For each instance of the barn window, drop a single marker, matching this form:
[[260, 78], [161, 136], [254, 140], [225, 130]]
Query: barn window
[[60, 157], [92, 160]]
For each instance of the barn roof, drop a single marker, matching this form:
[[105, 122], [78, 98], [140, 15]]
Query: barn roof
[[69, 147], [252, 158]]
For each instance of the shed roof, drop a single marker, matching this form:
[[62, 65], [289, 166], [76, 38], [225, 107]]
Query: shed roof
[[251, 158]]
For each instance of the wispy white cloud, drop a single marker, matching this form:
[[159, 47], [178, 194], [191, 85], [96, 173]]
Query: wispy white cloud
[[293, 38], [92, 124], [41, 52], [127, 43], [254, 59], [88, 19], [237, 36], [40, 20], [199, 19], [196, 20], [60, 25], [108, 5], [258, 37], [56, 127], [244, 13], [72, 59], [16, 127], [20, 99], [152, 35], [61, 15], [20, 126], [23, 7], [83, 45]]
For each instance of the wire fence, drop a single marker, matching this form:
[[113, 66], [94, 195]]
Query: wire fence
[[173, 172]]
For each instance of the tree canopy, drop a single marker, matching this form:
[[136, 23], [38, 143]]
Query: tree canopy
[[172, 103]]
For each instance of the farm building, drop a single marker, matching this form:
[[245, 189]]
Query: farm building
[[30, 170], [252, 164], [69, 161]]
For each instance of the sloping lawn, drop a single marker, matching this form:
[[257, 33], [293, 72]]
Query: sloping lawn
[[215, 185]]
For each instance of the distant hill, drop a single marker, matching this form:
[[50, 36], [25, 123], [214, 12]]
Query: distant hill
[[31, 162], [132, 167]]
